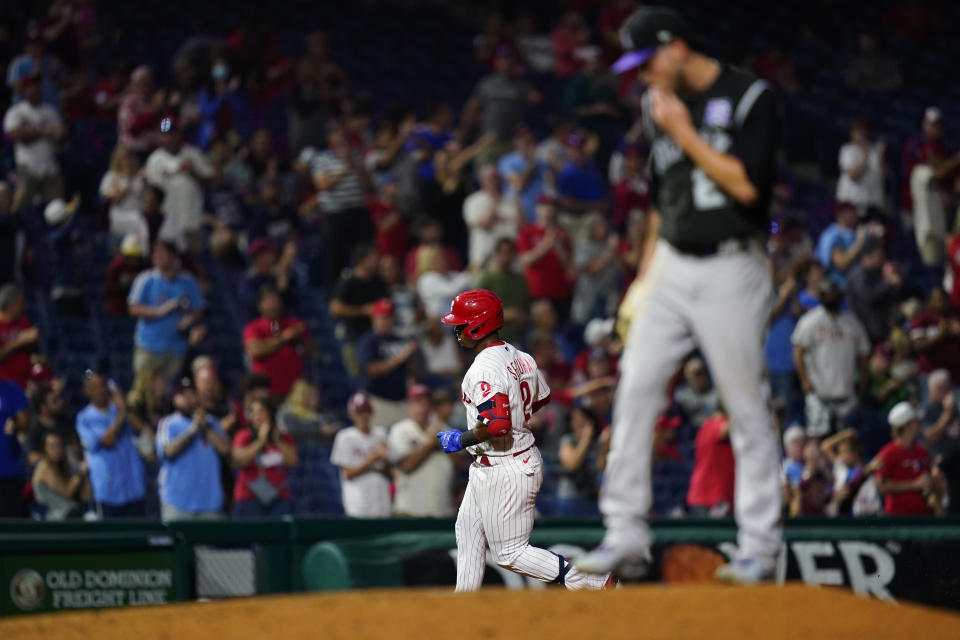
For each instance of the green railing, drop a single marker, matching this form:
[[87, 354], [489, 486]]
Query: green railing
[[281, 547]]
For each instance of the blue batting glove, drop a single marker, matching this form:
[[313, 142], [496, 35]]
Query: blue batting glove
[[450, 441]]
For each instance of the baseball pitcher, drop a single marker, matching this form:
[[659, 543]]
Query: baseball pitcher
[[704, 282]]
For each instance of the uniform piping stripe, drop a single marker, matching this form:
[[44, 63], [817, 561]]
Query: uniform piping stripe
[[746, 101]]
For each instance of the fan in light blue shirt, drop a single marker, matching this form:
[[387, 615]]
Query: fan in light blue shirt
[[116, 469], [189, 443], [161, 298]]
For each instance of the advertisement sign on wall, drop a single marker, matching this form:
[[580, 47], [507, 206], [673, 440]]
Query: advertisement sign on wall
[[55, 582]]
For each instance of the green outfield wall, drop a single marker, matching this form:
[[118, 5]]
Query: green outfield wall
[[60, 566]]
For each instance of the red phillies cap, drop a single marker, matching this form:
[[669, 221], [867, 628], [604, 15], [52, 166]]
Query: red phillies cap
[[40, 372], [359, 401], [382, 307], [418, 391]]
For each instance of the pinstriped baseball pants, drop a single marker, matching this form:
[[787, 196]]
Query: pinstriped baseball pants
[[498, 510]]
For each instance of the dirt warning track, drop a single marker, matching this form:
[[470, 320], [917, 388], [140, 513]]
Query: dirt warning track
[[646, 612]]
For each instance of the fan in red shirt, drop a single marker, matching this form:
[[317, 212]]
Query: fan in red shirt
[[18, 338], [546, 254], [904, 466], [276, 343], [712, 482], [935, 335], [393, 231], [263, 455]]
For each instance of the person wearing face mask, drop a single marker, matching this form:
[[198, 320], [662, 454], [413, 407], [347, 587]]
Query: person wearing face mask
[[221, 104], [830, 351]]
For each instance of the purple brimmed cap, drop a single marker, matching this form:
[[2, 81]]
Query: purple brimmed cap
[[644, 32]]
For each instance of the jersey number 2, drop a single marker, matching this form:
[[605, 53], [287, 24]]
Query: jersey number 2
[[525, 396], [706, 193]]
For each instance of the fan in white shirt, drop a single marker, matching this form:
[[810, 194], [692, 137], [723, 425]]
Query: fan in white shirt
[[424, 476], [122, 186], [360, 452], [489, 216], [436, 284], [35, 128], [177, 169], [861, 166]]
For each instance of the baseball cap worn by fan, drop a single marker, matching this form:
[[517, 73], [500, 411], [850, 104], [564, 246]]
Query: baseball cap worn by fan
[[596, 330], [359, 401], [793, 433], [901, 415], [382, 307], [644, 32], [418, 391], [40, 373], [182, 384]]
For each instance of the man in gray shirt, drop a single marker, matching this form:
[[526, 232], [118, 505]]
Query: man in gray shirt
[[502, 98]]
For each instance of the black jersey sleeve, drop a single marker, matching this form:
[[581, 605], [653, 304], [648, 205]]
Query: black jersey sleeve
[[756, 142]]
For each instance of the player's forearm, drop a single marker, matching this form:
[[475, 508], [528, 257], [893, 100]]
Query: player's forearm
[[474, 436], [649, 241], [725, 170]]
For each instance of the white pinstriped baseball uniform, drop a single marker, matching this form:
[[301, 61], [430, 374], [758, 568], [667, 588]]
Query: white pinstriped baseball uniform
[[498, 506]]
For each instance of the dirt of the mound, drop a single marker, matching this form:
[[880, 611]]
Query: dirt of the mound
[[674, 613]]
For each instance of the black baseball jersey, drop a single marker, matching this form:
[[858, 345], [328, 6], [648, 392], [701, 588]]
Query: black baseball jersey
[[737, 115]]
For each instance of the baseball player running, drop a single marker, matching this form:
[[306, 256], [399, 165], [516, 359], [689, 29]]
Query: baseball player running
[[704, 282], [502, 389]]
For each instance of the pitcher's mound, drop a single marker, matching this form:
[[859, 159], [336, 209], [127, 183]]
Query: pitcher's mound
[[645, 612]]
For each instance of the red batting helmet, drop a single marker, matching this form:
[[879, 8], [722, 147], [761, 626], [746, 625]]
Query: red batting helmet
[[479, 309]]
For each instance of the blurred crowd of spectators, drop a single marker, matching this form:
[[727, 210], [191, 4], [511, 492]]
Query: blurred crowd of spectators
[[411, 205]]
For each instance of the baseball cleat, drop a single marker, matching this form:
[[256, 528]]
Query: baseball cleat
[[626, 563], [747, 570]]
